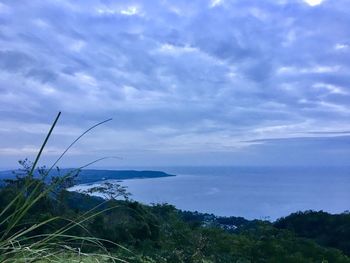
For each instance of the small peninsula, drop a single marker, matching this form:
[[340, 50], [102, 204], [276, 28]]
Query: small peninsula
[[87, 176], [91, 176]]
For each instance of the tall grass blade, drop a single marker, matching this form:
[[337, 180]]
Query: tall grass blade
[[44, 144], [77, 139]]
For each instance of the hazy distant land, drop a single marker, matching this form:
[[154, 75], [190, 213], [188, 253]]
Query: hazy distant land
[[90, 175]]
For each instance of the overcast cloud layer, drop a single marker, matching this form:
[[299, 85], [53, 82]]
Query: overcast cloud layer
[[186, 82]]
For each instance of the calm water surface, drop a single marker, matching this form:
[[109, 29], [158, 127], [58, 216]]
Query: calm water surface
[[248, 192]]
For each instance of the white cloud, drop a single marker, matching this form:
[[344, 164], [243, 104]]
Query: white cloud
[[331, 88], [41, 23], [85, 79], [46, 89], [26, 150], [171, 49], [334, 107], [259, 13], [130, 11], [77, 45], [214, 3], [176, 10], [106, 11], [288, 130], [313, 2], [321, 69], [341, 46], [30, 150], [302, 70]]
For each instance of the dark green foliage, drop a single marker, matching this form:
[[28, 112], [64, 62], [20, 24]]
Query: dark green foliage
[[108, 190], [324, 228], [161, 233], [257, 241], [24, 186], [229, 224]]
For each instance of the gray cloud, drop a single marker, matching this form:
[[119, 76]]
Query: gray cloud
[[177, 77], [14, 61]]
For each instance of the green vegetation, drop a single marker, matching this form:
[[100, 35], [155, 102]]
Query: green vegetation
[[324, 228], [40, 221], [30, 229], [130, 231]]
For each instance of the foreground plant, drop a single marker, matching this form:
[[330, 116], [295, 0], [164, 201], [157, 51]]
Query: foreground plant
[[109, 191], [50, 239]]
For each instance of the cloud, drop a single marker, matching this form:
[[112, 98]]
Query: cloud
[[177, 77], [126, 11], [14, 61], [215, 3], [313, 2]]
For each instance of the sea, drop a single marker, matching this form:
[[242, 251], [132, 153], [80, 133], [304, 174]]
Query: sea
[[266, 193]]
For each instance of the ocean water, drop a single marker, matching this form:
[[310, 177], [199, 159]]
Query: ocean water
[[250, 192]]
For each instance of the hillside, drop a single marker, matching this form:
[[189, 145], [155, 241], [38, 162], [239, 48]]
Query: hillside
[[135, 232]]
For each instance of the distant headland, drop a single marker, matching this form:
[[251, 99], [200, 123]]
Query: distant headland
[[86, 176]]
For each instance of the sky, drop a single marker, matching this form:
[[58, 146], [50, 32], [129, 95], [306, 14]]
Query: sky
[[202, 82]]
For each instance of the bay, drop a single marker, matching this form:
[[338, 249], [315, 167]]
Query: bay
[[250, 192]]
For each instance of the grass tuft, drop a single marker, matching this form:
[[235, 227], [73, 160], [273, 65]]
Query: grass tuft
[[19, 241]]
